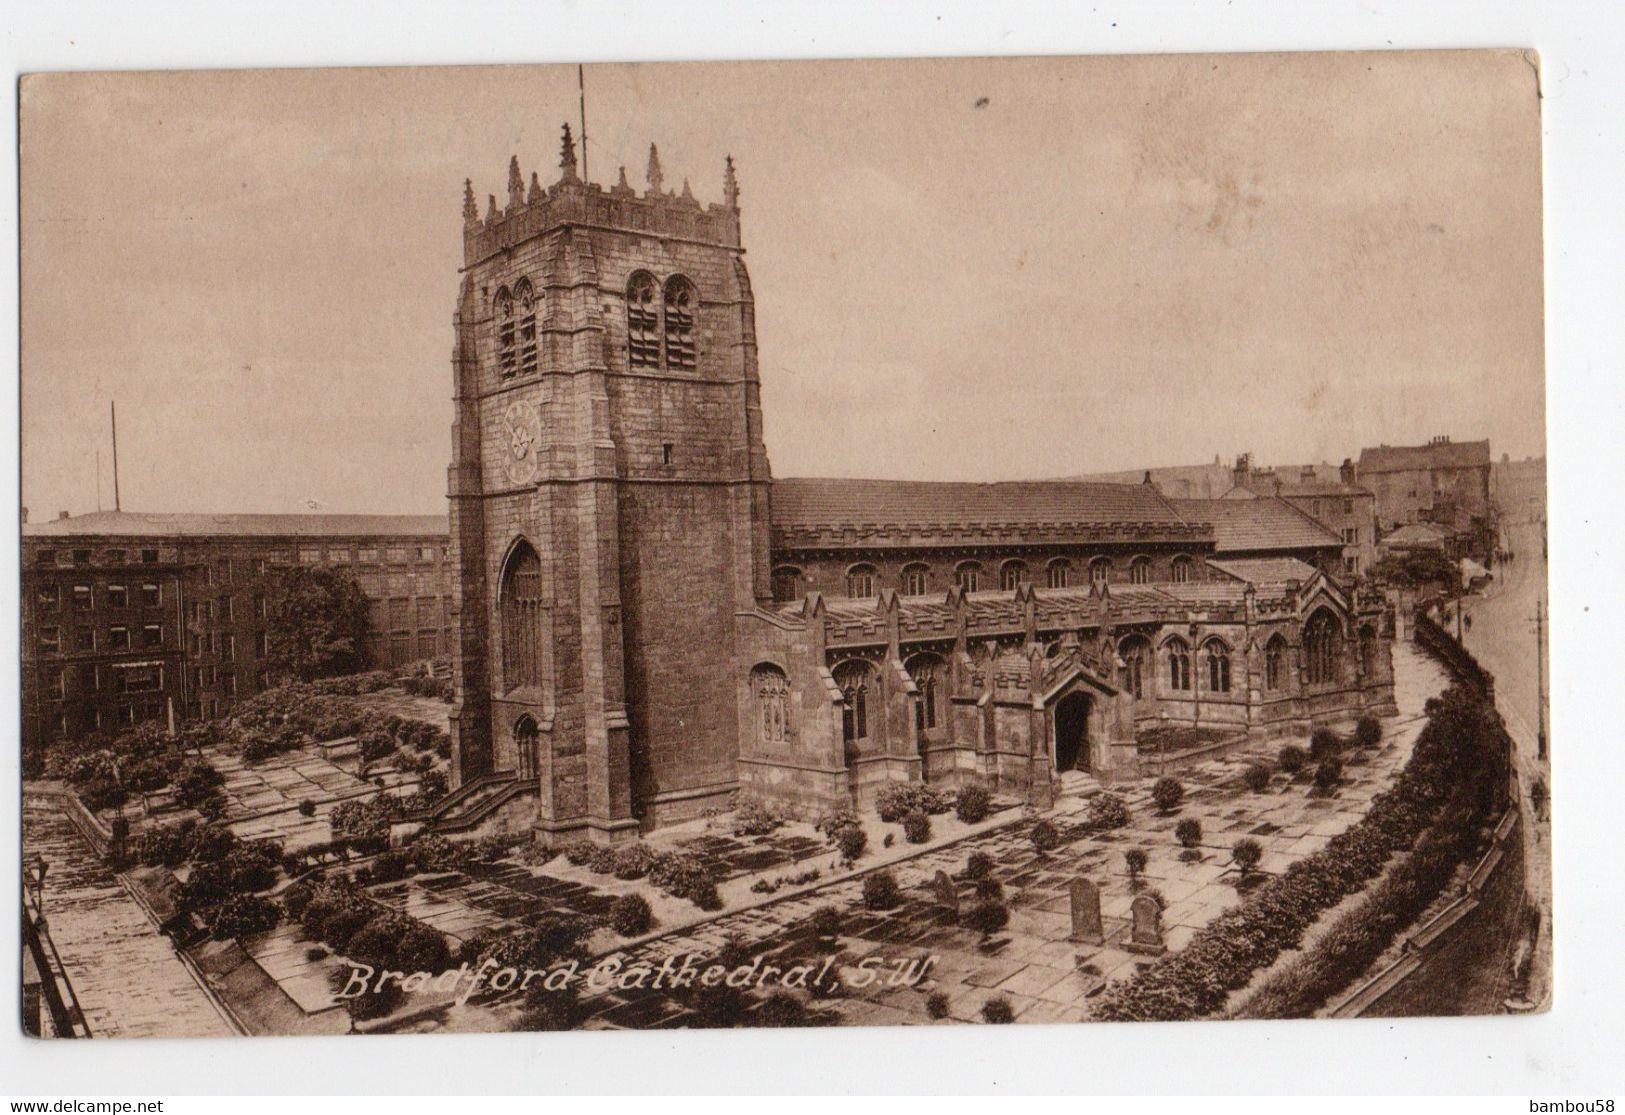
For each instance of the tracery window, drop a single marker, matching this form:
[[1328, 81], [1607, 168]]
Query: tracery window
[[524, 310], [1011, 575], [853, 680], [1181, 569], [924, 668], [642, 322], [968, 575], [916, 579], [1218, 667], [681, 303], [521, 607], [1275, 663], [1134, 651], [860, 581], [772, 693], [1179, 665], [1100, 571], [1060, 573], [507, 335], [1322, 647], [1139, 571]]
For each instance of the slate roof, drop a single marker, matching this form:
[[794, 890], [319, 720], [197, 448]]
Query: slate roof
[[1253, 525], [1416, 536], [1306, 488], [138, 524], [1405, 458], [817, 503], [1271, 571]]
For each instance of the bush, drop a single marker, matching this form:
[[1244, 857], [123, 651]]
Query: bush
[[978, 866], [826, 922], [880, 891], [973, 803], [1293, 758], [936, 1006], [550, 1011], [1367, 732], [895, 799], [579, 853], [998, 1012], [390, 866], [1045, 836], [602, 859], [781, 1010], [1324, 744], [990, 890], [422, 949], [1188, 832], [377, 942], [755, 818], [1257, 777], [1167, 793], [986, 917], [307, 808], [629, 915], [376, 745], [1135, 860], [1246, 854], [243, 914], [683, 875], [1328, 773], [851, 841], [1107, 811], [297, 897], [317, 952], [633, 862], [916, 827], [832, 823]]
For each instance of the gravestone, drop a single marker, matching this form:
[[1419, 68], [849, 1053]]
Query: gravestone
[[1145, 935], [946, 893], [1086, 925]]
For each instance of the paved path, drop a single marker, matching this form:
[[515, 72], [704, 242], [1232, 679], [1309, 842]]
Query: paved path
[[126, 974]]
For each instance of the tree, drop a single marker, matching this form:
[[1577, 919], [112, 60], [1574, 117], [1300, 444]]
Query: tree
[[318, 620]]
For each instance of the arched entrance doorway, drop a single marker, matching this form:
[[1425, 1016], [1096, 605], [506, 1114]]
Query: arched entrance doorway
[[1071, 718], [525, 738]]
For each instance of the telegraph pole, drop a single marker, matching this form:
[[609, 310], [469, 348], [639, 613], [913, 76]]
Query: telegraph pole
[[1540, 683]]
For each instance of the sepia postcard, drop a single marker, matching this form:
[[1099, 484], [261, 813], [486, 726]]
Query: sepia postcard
[[782, 544]]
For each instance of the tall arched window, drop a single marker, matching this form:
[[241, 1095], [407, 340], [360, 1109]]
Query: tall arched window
[[772, 693], [521, 605], [1060, 573], [1275, 663], [1179, 665], [526, 739], [507, 335], [853, 680], [642, 322], [524, 311], [1011, 574], [1322, 649], [916, 579], [1181, 569], [1139, 571], [1135, 652], [786, 584], [1100, 571], [925, 669], [1218, 666], [1368, 650], [681, 303], [968, 575], [860, 581]]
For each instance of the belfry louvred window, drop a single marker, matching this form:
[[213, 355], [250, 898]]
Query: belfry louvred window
[[507, 352], [680, 305], [642, 322], [525, 311]]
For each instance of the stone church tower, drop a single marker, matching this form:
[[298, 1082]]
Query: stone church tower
[[609, 501]]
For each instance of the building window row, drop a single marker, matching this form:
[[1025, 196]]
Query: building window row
[[863, 579]]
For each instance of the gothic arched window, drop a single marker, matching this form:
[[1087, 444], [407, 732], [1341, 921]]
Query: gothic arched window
[[1322, 649], [786, 584], [521, 606], [1368, 650], [860, 581], [1181, 569], [925, 669], [1100, 571], [681, 302], [524, 312], [916, 579], [1134, 651], [968, 575], [1218, 666], [1179, 665], [1275, 663], [642, 322], [507, 335], [772, 694], [526, 739], [1060, 573], [853, 680], [1011, 574], [1139, 571]]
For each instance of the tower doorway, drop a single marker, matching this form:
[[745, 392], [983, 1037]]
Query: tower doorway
[[526, 737], [1071, 717]]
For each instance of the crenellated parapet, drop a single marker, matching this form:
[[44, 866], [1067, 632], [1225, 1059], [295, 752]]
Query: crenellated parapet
[[572, 200]]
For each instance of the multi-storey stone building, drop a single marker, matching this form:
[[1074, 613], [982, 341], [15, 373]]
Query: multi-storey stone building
[[130, 617], [1346, 507], [650, 624], [1444, 482]]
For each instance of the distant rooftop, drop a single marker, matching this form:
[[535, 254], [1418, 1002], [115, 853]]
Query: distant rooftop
[[135, 524], [1251, 525], [814, 503], [1438, 453]]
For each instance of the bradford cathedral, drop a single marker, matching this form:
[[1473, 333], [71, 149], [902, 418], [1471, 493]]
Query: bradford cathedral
[[650, 625]]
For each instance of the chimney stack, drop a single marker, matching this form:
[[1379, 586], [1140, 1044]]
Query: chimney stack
[[1345, 472], [61, 515]]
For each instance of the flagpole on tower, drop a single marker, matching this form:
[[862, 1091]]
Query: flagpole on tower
[[581, 85]]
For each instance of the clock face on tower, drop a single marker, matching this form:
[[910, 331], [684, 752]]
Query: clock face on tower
[[521, 439]]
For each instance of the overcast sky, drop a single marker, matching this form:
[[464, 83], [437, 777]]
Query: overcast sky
[[982, 269]]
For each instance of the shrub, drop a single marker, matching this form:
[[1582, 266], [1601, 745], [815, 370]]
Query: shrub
[[243, 914], [422, 949], [1107, 811], [851, 841], [683, 875], [755, 818], [1188, 832], [832, 823], [973, 803], [307, 808], [433, 852], [375, 745], [720, 1006], [990, 890], [390, 866], [579, 853], [880, 891], [1324, 744], [916, 827], [826, 922], [998, 1012], [1293, 758], [377, 941], [375, 1002], [633, 862], [1328, 773], [344, 923], [198, 781], [629, 915], [1167, 793], [1045, 836], [1257, 777], [602, 859], [1134, 859], [895, 799], [781, 1010], [978, 866], [549, 1011], [986, 917], [1246, 854], [317, 952], [1367, 732], [936, 1005], [297, 897]]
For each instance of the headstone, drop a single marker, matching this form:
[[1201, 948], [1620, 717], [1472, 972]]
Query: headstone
[[1145, 935], [1086, 925], [946, 893]]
